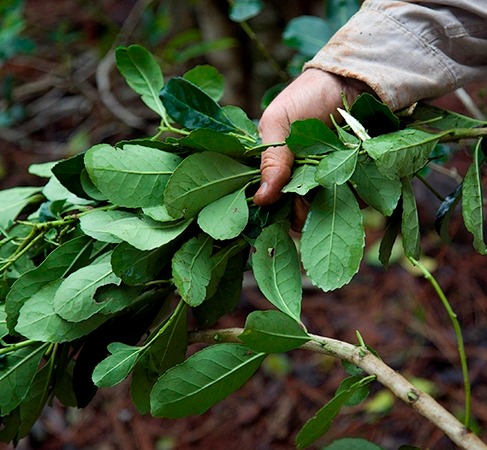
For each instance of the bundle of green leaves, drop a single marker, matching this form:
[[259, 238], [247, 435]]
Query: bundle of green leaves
[[100, 266]]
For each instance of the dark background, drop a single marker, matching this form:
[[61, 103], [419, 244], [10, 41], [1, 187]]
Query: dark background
[[60, 94]]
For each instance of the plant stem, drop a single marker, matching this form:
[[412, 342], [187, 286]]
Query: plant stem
[[458, 333], [28, 243], [462, 133], [400, 387], [14, 347]]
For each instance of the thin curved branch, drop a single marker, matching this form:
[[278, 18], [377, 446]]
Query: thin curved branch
[[399, 386]]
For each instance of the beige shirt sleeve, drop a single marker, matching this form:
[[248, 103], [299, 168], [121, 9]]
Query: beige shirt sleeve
[[410, 50]]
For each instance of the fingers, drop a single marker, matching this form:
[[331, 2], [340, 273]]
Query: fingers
[[275, 168]]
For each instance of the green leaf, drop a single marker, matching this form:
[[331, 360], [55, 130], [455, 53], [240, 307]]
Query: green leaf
[[243, 125], [113, 298], [193, 108], [133, 177], [352, 444], [226, 217], [302, 180], [242, 10], [276, 268], [401, 153], [208, 79], [140, 232], [191, 269], [136, 267], [203, 380], [3, 322], [201, 179], [390, 236], [33, 403], [410, 221], [116, 367], [321, 422], [142, 74], [88, 186], [68, 172], [162, 351], [307, 34], [74, 300], [312, 137], [58, 264], [359, 394], [472, 202], [225, 293], [205, 139], [441, 119], [13, 201], [38, 320], [377, 190], [336, 168], [272, 332], [332, 241], [16, 375], [376, 117]]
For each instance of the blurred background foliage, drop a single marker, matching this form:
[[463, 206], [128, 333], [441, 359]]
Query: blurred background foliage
[[60, 91]]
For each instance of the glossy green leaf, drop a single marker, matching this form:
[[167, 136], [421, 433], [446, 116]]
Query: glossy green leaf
[[16, 374], [401, 153], [68, 172], [201, 179], [35, 400], [3, 322], [336, 168], [193, 108], [302, 180], [224, 294], [242, 123], [205, 139], [161, 352], [203, 380], [136, 267], [142, 74], [242, 10], [332, 241], [321, 422], [272, 332], [312, 137], [113, 298], [75, 298], [226, 217], [391, 234], [276, 268], [410, 221], [307, 34], [116, 367], [58, 264], [191, 269], [133, 177], [377, 190], [352, 444], [140, 232], [472, 202], [208, 79], [13, 201]]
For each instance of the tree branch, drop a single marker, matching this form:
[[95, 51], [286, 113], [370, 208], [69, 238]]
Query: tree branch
[[399, 386]]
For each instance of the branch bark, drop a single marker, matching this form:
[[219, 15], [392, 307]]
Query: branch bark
[[423, 403]]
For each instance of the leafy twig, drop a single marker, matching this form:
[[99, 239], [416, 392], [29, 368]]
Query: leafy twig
[[400, 387]]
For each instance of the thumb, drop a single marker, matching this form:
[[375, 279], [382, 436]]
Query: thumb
[[275, 167]]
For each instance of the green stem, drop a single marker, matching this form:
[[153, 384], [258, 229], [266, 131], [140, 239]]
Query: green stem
[[28, 243], [458, 332], [19, 345], [462, 133]]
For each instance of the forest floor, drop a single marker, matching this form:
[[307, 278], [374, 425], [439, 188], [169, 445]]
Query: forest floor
[[396, 311]]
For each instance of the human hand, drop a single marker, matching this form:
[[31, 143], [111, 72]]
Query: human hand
[[314, 94]]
